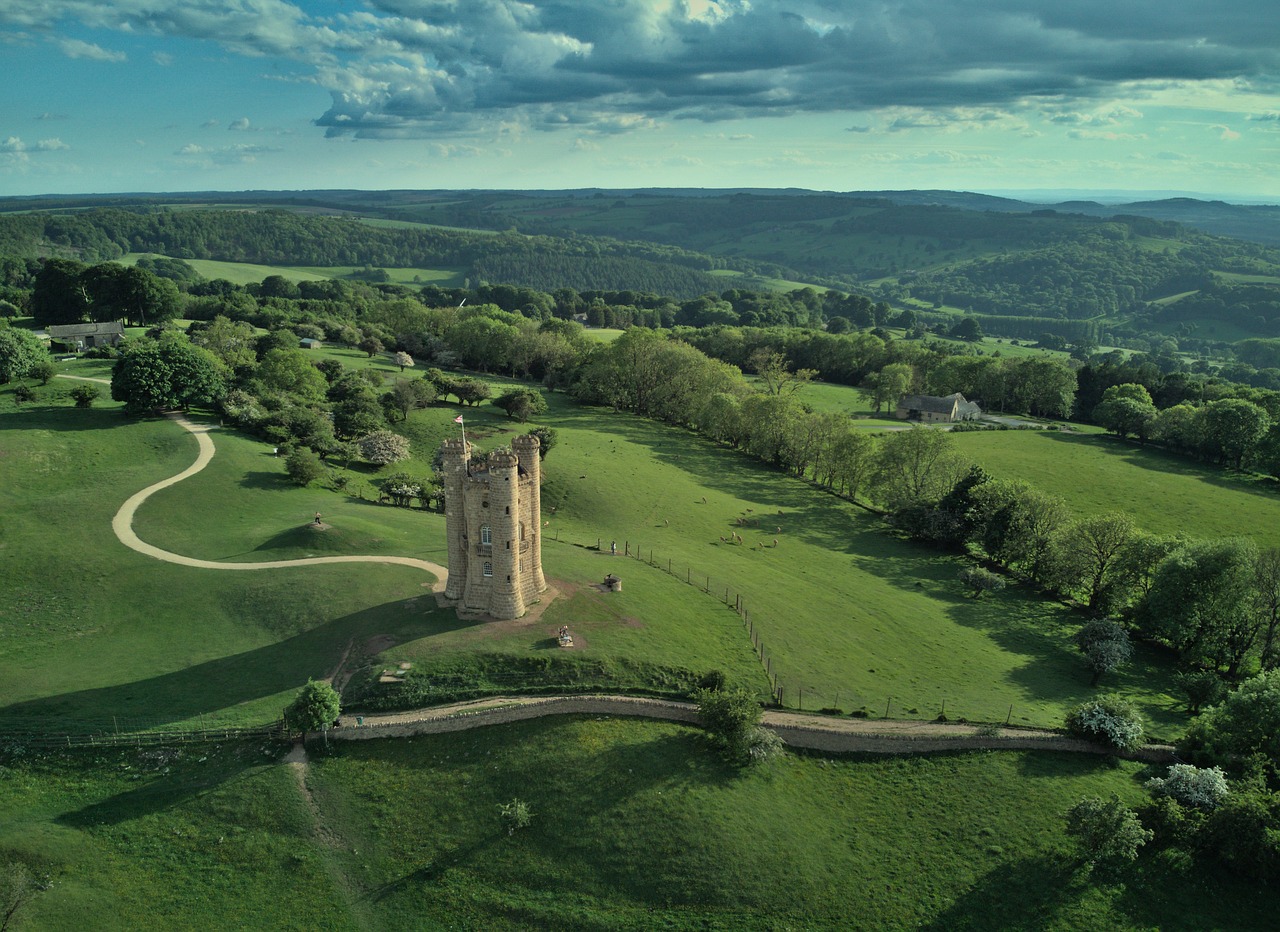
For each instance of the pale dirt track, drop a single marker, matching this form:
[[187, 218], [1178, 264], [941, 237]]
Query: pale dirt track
[[816, 732], [122, 524]]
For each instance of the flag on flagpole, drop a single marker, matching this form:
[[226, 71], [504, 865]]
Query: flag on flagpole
[[458, 419]]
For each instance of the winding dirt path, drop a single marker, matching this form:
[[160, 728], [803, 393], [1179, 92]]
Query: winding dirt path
[[122, 523]]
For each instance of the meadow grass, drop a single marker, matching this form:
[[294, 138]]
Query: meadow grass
[[246, 273], [93, 633], [636, 825], [1162, 492], [849, 616]]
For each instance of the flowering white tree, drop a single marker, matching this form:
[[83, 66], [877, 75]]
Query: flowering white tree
[[382, 447], [1111, 720], [1200, 787]]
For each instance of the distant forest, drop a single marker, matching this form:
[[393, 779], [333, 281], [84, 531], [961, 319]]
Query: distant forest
[[280, 237], [1023, 274]]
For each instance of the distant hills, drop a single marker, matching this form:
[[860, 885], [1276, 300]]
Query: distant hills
[[1080, 269]]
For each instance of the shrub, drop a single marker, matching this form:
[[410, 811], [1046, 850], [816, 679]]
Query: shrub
[[303, 466], [1106, 830], [316, 707], [42, 371], [732, 717], [23, 393], [85, 395], [980, 580], [763, 745], [1198, 787], [401, 488], [515, 815], [713, 680], [1111, 720]]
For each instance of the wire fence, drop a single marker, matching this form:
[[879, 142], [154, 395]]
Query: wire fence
[[126, 734], [789, 691]]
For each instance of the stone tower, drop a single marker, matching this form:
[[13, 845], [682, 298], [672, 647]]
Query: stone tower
[[493, 521]]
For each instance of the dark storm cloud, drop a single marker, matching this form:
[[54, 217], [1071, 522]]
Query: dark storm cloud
[[418, 67], [572, 63]]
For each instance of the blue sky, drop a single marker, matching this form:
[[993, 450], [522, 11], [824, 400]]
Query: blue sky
[[979, 95]]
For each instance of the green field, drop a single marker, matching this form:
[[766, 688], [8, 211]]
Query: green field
[[245, 273], [637, 825], [884, 626], [1164, 493]]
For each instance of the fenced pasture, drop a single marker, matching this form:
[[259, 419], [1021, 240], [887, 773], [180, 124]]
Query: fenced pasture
[[1163, 492], [850, 616]]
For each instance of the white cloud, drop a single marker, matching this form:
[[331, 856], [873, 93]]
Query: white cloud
[[15, 144], [76, 48], [164, 59], [240, 125]]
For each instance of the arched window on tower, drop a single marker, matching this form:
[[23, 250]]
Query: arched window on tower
[[486, 535], [488, 568]]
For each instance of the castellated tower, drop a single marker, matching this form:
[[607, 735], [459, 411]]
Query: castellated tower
[[493, 521]]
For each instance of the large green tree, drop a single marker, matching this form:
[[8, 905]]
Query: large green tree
[[1202, 599], [1086, 560], [315, 708], [59, 297], [1232, 428], [915, 467], [20, 353], [151, 375]]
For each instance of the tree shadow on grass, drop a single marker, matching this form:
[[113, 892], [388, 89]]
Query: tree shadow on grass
[[1030, 894], [272, 481], [221, 683], [576, 807], [1025, 623], [58, 418], [183, 781], [1154, 459]]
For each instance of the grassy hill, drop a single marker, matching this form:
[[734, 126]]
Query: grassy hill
[[637, 825]]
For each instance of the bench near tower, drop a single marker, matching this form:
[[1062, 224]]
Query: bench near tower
[[493, 521]]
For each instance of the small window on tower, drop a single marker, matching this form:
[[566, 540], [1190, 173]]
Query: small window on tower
[[488, 568], [486, 535]]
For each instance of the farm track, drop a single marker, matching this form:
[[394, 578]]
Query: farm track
[[815, 732], [122, 523]]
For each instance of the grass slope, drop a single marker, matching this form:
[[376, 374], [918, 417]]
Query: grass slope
[[1164, 493], [637, 825]]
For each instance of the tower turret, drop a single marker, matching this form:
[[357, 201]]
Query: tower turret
[[528, 449], [456, 458]]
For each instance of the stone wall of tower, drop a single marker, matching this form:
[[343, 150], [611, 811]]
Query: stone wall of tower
[[456, 456], [492, 523]]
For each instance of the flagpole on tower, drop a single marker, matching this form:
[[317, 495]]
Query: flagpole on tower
[[458, 420]]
